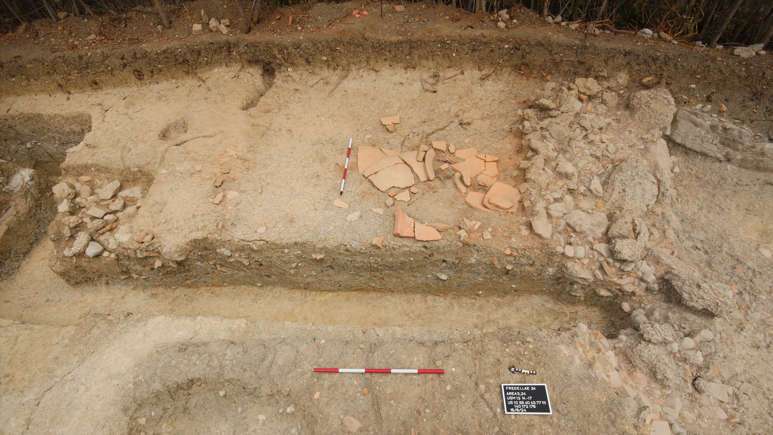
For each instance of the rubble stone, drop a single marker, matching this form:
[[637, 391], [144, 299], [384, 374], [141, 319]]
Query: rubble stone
[[632, 187], [654, 109], [694, 290], [63, 191], [96, 212], [721, 139], [577, 272], [94, 249], [627, 250], [108, 190], [82, 240], [593, 224], [658, 333], [588, 86], [721, 392], [541, 225]]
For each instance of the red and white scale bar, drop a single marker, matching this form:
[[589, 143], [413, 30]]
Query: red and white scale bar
[[346, 167], [381, 371]]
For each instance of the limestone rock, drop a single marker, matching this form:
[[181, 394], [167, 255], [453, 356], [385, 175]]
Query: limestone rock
[[565, 168], [658, 333], [96, 212], [622, 227], [117, 204], [557, 209], [595, 187], [544, 104], [632, 187], [63, 191], [721, 392], [82, 240], [721, 139], [577, 272], [693, 289], [744, 52], [593, 224], [713, 297], [109, 190], [541, 225], [654, 109], [94, 249], [213, 24], [588, 86], [19, 180], [132, 193], [64, 206], [627, 250]]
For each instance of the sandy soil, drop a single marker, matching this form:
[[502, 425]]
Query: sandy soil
[[672, 338]]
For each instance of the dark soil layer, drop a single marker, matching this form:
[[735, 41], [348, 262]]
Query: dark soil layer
[[693, 75], [37, 142]]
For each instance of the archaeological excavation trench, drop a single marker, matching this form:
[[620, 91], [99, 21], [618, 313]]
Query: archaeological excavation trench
[[234, 180], [176, 255], [460, 181]]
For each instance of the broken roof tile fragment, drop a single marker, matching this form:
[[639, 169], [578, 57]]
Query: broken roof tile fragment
[[367, 156], [501, 196], [475, 200], [426, 233], [409, 157], [466, 153], [399, 175], [429, 161], [381, 164], [389, 122], [491, 169], [469, 168], [403, 196], [440, 145], [404, 224]]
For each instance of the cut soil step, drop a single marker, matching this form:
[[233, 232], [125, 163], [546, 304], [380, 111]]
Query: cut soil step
[[236, 193]]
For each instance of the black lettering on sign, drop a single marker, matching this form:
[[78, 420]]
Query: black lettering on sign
[[526, 399]]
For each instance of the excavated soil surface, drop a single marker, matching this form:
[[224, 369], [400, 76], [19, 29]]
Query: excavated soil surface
[[186, 188]]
